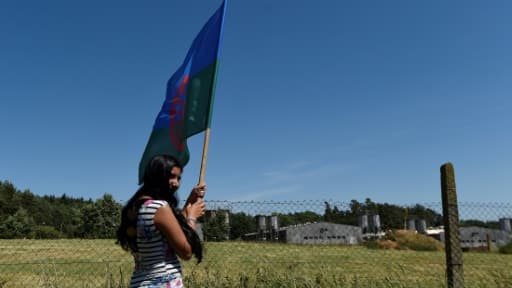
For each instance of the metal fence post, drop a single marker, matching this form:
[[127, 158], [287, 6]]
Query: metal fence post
[[454, 269]]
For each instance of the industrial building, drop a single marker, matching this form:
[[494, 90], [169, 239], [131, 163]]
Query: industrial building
[[476, 237], [307, 233], [321, 233]]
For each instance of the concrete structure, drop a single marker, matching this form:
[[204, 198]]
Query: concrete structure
[[411, 224], [475, 237], [421, 226], [374, 224], [262, 228], [274, 222], [505, 224], [370, 226], [268, 229], [363, 223], [262, 222], [418, 225], [273, 227], [321, 233]]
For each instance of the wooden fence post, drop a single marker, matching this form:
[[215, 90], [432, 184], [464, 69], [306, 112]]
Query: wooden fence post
[[454, 269]]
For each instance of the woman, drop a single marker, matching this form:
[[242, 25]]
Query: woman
[[155, 232]]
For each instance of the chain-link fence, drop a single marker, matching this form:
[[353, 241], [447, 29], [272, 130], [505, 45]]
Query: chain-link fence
[[293, 244]]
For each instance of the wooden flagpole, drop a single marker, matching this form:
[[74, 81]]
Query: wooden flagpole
[[205, 155], [207, 130]]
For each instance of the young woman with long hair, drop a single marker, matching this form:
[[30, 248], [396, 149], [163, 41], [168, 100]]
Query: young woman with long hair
[[155, 231]]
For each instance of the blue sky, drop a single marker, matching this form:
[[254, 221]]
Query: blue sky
[[315, 100]]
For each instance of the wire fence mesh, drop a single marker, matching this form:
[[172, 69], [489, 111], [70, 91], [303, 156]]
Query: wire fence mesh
[[292, 244]]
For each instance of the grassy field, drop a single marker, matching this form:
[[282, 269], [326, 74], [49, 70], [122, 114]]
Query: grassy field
[[100, 263]]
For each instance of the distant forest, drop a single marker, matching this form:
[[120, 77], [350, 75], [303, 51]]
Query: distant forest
[[25, 215]]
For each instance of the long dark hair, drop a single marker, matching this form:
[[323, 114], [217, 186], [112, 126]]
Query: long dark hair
[[156, 186]]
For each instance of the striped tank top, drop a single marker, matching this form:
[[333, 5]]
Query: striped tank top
[[156, 264]]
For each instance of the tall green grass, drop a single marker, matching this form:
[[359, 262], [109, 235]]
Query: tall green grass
[[100, 263]]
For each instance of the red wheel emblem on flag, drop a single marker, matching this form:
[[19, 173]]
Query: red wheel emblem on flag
[[177, 115]]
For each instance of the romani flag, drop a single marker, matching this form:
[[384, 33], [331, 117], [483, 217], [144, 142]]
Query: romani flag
[[188, 103]]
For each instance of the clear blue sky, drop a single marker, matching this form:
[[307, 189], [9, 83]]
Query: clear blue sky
[[316, 100]]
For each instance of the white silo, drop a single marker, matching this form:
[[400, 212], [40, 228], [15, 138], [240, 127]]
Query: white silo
[[262, 222], [226, 221], [375, 223], [274, 227], [274, 222], [505, 224], [363, 223], [262, 226], [421, 226], [411, 225]]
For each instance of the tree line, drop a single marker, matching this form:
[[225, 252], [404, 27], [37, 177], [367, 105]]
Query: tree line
[[25, 215]]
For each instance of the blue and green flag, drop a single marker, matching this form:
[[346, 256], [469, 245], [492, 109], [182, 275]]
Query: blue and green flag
[[188, 103]]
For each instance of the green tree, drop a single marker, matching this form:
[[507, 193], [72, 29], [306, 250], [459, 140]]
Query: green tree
[[101, 218], [89, 228], [329, 214], [298, 218], [215, 228], [9, 200], [17, 226], [45, 232], [391, 216], [241, 224], [110, 215]]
